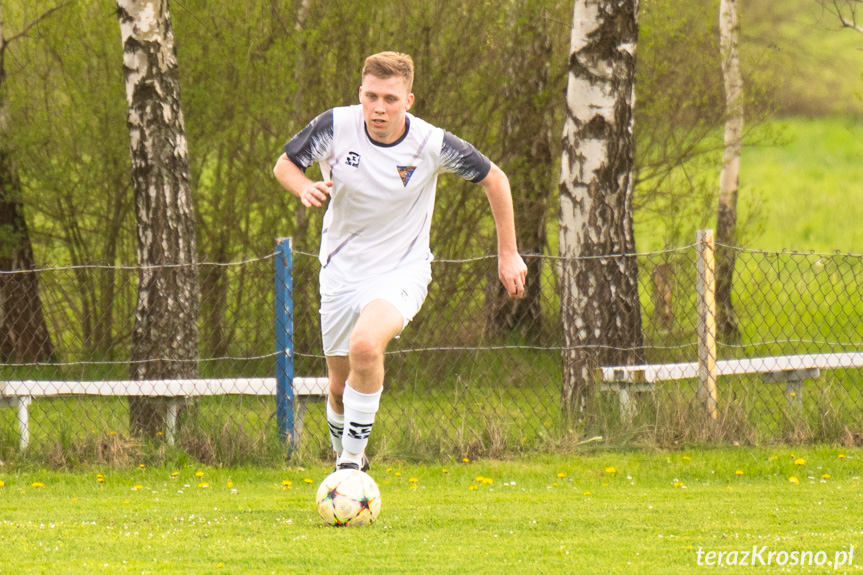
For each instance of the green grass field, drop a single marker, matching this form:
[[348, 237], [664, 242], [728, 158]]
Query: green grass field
[[803, 184], [612, 512]]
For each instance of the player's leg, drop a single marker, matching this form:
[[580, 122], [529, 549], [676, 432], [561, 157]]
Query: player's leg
[[338, 370], [378, 323]]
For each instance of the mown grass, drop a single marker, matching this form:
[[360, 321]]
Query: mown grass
[[801, 187], [592, 512]]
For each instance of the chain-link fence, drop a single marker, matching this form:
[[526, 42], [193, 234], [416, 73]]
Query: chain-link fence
[[775, 357]]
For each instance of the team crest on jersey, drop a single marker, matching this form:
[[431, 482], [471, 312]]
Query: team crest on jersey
[[353, 159], [406, 172]]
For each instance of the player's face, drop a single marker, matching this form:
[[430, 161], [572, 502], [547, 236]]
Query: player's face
[[385, 102]]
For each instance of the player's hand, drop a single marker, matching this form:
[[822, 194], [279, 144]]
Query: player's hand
[[512, 272], [316, 194]]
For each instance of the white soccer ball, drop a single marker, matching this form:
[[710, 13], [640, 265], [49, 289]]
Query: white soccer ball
[[349, 498]]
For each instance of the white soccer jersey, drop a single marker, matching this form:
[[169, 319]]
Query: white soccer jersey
[[382, 199]]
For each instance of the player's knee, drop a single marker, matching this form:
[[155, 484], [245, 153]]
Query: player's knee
[[365, 353]]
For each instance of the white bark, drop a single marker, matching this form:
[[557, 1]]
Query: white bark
[[600, 307]]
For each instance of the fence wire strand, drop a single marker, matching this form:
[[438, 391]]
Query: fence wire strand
[[474, 373]]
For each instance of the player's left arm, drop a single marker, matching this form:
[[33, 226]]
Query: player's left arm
[[511, 268]]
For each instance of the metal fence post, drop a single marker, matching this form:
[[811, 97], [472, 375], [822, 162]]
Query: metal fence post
[[706, 288], [284, 301]]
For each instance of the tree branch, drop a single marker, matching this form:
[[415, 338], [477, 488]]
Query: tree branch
[[4, 42]]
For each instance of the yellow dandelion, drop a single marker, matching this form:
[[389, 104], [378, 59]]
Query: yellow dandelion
[[472, 487], [586, 493], [794, 480], [825, 476], [686, 458], [561, 475], [389, 469], [444, 471], [230, 484], [554, 484], [2, 483], [174, 474], [286, 484], [413, 479], [413, 486], [799, 461], [678, 484], [203, 485], [479, 479], [465, 460], [308, 480], [610, 470], [398, 473], [142, 466], [774, 457], [199, 474], [487, 480], [841, 456], [738, 472], [100, 479], [38, 484], [137, 487], [220, 565]]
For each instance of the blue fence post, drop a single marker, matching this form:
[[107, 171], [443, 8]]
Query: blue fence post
[[284, 302]]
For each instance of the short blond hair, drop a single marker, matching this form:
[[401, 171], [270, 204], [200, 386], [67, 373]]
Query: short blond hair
[[388, 64]]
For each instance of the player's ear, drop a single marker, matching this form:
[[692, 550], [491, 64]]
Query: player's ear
[[360, 93], [410, 101]]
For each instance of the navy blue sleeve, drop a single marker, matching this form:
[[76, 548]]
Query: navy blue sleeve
[[313, 143], [461, 158]]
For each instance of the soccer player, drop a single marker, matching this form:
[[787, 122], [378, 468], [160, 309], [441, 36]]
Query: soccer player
[[380, 166]]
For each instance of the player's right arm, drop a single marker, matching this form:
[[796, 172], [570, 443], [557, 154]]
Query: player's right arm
[[292, 178], [313, 144]]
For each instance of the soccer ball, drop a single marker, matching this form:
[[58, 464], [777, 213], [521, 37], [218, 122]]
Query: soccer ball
[[349, 498]]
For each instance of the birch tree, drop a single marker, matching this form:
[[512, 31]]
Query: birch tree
[[726, 218], [165, 336], [24, 335], [599, 285]]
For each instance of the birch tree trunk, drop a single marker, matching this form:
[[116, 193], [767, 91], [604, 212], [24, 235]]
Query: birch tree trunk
[[599, 285], [726, 217], [24, 335], [526, 130], [165, 336]]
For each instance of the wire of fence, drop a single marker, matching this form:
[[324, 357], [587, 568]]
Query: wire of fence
[[776, 358]]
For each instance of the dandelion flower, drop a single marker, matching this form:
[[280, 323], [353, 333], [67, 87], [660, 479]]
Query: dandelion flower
[[199, 474], [203, 485], [799, 461], [586, 493], [413, 479], [308, 480], [472, 487], [174, 474], [825, 476], [793, 480], [487, 480], [677, 484], [2, 483], [466, 460], [230, 484], [738, 472], [841, 456], [398, 473], [444, 471], [561, 475], [142, 466], [687, 458], [286, 484], [610, 470], [38, 484], [137, 487]]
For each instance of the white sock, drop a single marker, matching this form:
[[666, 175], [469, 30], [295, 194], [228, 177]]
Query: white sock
[[360, 410], [336, 423]]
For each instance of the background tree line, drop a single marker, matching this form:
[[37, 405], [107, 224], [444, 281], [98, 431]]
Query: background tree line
[[253, 73]]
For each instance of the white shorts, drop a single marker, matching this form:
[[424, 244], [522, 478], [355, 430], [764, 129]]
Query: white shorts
[[341, 303]]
